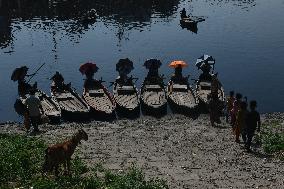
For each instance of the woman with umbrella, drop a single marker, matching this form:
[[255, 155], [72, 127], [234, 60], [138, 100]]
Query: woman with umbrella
[[89, 69], [19, 75], [177, 77], [153, 76], [124, 67], [205, 63]]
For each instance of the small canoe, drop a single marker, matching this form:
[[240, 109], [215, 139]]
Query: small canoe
[[99, 99], [192, 20], [153, 99], [127, 99], [72, 106], [203, 90], [182, 98], [49, 107]]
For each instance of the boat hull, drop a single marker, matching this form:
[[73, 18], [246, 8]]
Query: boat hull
[[49, 107], [203, 90], [127, 100], [153, 99], [72, 106], [100, 101], [182, 99]]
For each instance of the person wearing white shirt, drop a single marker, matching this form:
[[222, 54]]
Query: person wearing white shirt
[[33, 106]]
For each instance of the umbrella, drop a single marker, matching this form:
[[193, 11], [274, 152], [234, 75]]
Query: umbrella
[[177, 63], [18, 72], [151, 63], [89, 66], [205, 59], [124, 65]]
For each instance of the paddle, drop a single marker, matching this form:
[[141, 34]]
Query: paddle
[[32, 75], [111, 84]]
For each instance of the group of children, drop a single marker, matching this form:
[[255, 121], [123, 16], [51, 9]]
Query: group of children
[[244, 122]]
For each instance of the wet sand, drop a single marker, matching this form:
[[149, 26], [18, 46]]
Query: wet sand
[[186, 153]]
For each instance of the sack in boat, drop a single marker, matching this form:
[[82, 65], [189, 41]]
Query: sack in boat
[[27, 122]]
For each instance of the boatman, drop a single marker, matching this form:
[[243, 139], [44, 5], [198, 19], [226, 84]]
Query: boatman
[[183, 13], [23, 86], [33, 106]]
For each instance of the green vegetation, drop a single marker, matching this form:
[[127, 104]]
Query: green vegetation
[[21, 159], [272, 137]]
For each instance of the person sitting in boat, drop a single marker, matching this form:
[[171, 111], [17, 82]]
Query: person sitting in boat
[[177, 77], [58, 83], [183, 13], [205, 68], [24, 87], [90, 82], [123, 79], [153, 76]]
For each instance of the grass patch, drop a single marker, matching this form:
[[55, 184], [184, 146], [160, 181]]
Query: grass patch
[[272, 137], [21, 160]]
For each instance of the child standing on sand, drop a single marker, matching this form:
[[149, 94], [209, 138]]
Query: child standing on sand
[[240, 124], [235, 109], [253, 122]]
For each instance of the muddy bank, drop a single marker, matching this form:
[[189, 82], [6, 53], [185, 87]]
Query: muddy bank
[[187, 153]]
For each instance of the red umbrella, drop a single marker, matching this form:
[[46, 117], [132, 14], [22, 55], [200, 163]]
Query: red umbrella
[[89, 66]]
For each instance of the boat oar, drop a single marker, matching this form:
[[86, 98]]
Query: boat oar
[[32, 75], [111, 84], [134, 78], [101, 80]]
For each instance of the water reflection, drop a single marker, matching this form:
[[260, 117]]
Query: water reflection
[[244, 4], [57, 15], [5, 31]]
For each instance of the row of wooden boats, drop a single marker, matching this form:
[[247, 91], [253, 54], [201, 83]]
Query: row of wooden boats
[[125, 101]]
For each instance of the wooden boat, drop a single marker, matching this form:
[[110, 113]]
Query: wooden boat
[[203, 90], [72, 106], [127, 99], [182, 98], [49, 107], [100, 100], [192, 26], [192, 20], [153, 98]]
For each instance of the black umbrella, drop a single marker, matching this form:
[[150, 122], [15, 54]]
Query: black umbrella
[[19, 72], [152, 63], [124, 64]]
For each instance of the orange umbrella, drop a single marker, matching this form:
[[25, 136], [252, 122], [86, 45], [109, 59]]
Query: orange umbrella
[[176, 63]]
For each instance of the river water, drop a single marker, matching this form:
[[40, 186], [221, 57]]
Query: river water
[[246, 37]]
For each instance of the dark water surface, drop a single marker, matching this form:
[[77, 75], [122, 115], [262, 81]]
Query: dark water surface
[[246, 37]]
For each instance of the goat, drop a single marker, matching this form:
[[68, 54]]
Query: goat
[[61, 153]]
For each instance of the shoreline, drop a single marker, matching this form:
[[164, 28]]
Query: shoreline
[[262, 115], [187, 153]]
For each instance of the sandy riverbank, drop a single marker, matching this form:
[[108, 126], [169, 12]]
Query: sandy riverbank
[[187, 153]]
